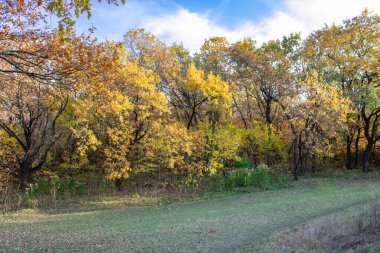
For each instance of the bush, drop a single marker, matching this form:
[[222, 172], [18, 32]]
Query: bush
[[266, 142], [238, 178], [53, 186], [261, 177], [244, 163], [71, 186]]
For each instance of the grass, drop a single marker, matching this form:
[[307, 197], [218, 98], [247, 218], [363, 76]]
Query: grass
[[354, 229], [219, 222]]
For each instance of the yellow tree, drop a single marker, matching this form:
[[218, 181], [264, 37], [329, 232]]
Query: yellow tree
[[316, 116], [214, 57], [348, 54], [202, 95], [135, 124], [197, 98], [126, 121], [39, 76]]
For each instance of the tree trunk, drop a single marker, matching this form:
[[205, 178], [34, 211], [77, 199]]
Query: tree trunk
[[313, 164], [348, 153], [268, 155], [190, 122], [25, 175], [268, 108], [356, 161], [295, 160], [118, 184], [300, 155], [300, 159], [306, 160], [366, 155]]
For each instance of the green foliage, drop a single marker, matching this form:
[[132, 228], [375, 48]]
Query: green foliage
[[223, 144], [261, 177], [239, 178], [215, 146], [53, 186], [244, 162], [71, 186]]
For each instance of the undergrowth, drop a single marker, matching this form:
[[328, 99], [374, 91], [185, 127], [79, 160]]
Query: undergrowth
[[261, 177]]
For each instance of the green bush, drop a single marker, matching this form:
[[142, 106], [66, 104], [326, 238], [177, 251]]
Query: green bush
[[53, 186], [70, 185], [238, 178], [243, 163], [260, 177]]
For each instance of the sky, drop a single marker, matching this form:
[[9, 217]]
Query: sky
[[192, 21]]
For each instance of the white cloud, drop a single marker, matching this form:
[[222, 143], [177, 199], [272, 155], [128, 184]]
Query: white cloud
[[175, 24], [189, 28], [113, 21], [293, 16]]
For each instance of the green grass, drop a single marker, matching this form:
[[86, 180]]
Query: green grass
[[219, 222]]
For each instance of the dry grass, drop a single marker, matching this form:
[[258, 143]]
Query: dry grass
[[356, 229]]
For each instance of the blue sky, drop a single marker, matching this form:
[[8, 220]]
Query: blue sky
[[191, 21], [230, 13]]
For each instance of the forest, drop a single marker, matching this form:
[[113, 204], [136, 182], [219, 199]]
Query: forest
[[72, 106], [264, 136]]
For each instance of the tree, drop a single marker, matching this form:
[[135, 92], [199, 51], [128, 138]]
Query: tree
[[214, 57], [128, 132], [39, 75], [37, 10], [370, 112], [32, 98], [348, 54], [263, 84], [316, 115]]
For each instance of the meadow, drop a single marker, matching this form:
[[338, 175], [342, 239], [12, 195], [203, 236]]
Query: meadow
[[240, 220]]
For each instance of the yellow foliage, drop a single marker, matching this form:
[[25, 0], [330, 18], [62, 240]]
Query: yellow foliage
[[211, 87]]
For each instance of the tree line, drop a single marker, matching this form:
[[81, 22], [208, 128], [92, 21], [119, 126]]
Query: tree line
[[71, 105]]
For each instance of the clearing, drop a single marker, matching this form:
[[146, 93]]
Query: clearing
[[232, 221]]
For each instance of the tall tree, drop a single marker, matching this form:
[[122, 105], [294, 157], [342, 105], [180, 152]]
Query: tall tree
[[348, 54], [316, 116], [34, 95]]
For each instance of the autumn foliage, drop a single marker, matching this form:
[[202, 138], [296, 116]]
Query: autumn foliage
[[74, 106]]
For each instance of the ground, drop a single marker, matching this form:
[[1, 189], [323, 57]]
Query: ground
[[244, 220]]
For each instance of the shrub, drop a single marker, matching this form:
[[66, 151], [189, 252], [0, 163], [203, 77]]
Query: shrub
[[71, 186], [244, 163], [266, 143], [53, 186], [238, 178], [261, 177]]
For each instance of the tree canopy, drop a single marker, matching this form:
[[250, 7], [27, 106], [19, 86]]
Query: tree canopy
[[72, 105]]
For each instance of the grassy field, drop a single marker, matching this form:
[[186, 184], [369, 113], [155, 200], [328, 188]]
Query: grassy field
[[234, 221]]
